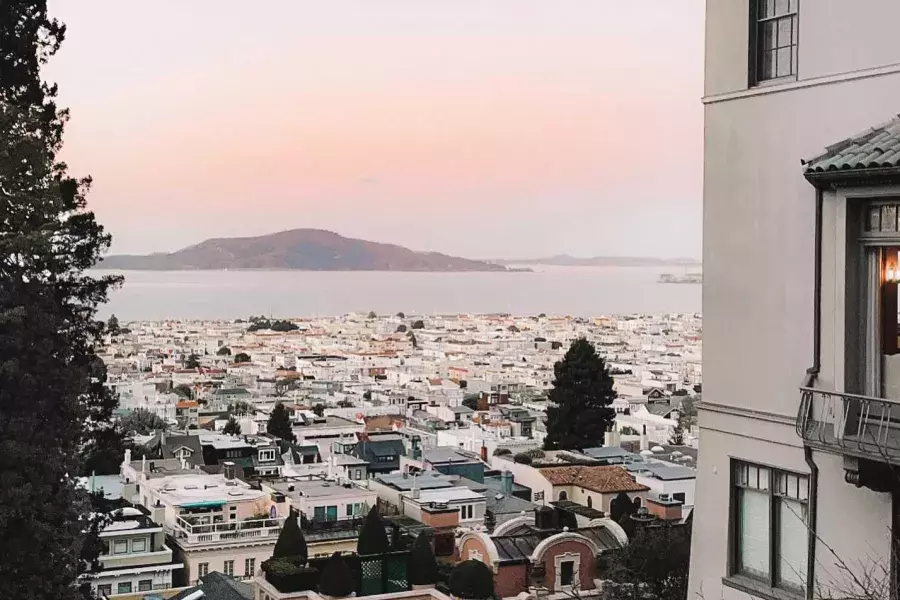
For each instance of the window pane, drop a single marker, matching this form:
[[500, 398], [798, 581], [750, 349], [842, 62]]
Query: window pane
[[769, 35], [784, 62], [874, 221], [753, 515], [782, 7], [767, 69], [889, 218], [764, 479], [767, 8], [795, 31], [792, 541], [753, 478], [784, 32]]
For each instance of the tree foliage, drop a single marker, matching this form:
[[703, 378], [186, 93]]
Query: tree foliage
[[653, 565], [373, 538], [241, 357], [112, 325], [423, 569], [276, 325], [232, 427], [241, 408], [192, 361], [142, 422], [319, 410], [183, 390], [580, 400], [471, 402], [418, 324], [223, 351], [472, 580], [291, 543], [279, 423], [53, 406], [336, 580]]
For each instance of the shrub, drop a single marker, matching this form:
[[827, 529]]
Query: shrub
[[522, 458]]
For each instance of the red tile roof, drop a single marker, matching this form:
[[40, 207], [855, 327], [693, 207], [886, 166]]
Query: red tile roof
[[601, 479]]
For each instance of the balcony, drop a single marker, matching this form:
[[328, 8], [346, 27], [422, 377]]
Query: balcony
[[855, 426], [213, 533]]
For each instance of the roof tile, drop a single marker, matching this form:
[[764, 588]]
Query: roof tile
[[602, 479], [875, 148]]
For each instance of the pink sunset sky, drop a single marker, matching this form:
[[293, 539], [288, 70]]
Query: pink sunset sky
[[481, 128]]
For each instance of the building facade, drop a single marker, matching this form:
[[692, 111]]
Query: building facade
[[799, 292]]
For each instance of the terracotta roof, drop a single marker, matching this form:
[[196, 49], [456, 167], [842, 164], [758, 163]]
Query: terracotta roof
[[187, 404], [602, 479]]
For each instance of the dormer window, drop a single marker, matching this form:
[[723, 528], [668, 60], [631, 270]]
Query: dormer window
[[266, 455]]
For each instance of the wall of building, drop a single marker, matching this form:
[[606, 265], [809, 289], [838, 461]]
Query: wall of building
[[216, 558], [511, 580], [587, 565]]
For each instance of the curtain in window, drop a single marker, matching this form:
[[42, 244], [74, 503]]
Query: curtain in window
[[792, 540], [754, 532]]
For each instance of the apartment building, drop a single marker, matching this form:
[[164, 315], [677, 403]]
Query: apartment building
[[135, 557], [800, 245]]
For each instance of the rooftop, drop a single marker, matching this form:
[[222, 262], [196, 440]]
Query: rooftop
[[875, 148], [604, 479], [190, 490]]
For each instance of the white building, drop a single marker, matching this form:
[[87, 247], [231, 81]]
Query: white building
[[799, 267]]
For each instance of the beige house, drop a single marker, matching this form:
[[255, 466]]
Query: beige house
[[800, 293]]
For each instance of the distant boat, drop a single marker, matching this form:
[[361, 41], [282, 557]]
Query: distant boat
[[686, 278]]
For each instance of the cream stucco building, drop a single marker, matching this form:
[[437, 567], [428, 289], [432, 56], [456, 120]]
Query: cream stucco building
[[801, 197]]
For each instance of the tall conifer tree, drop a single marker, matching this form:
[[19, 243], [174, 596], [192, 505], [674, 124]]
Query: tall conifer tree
[[53, 404], [579, 411]]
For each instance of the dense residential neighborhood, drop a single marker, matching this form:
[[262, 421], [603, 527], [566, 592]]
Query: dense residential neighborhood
[[433, 425]]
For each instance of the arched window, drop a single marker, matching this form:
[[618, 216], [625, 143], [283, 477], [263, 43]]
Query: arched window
[[563, 496], [590, 502]]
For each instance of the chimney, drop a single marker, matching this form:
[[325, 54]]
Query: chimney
[[608, 436], [506, 483], [645, 441], [415, 487], [484, 453], [143, 464], [229, 470]]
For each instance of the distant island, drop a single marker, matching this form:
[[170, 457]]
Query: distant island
[[300, 249], [564, 260]]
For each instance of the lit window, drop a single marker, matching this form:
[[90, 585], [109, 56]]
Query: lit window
[[769, 502]]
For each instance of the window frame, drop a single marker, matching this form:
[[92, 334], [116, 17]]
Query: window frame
[[249, 567], [124, 587], [116, 544], [202, 569], [134, 545], [104, 589], [228, 567], [145, 585], [773, 579], [755, 50]]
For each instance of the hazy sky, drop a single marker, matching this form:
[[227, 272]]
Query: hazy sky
[[483, 128]]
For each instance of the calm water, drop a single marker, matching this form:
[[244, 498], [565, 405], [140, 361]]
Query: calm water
[[582, 291]]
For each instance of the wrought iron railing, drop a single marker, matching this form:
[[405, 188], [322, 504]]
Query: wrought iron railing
[[854, 424]]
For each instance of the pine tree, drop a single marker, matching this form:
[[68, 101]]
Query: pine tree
[[373, 538], [279, 423], [232, 427], [53, 403], [291, 543], [423, 569], [336, 580], [580, 400]]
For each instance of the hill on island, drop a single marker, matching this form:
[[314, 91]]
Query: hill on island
[[302, 249]]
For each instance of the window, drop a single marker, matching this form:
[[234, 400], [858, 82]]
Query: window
[[229, 568], [350, 509], [590, 503], [145, 585], [769, 536], [563, 496], [319, 513], [266, 455], [567, 567], [139, 545], [466, 512], [249, 567], [202, 569], [104, 590], [774, 38], [120, 547], [678, 497], [566, 572], [124, 587]]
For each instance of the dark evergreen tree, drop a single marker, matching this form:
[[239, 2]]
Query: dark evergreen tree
[[677, 436], [620, 506], [291, 543], [192, 362], [373, 538], [579, 410], [336, 580], [223, 351], [472, 580], [423, 569], [52, 403], [657, 559], [241, 357], [279, 423], [232, 427], [112, 325], [319, 410], [418, 324]]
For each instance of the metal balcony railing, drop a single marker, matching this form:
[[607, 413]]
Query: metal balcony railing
[[852, 424], [206, 533]]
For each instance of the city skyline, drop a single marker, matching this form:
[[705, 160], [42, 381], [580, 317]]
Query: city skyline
[[473, 131]]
